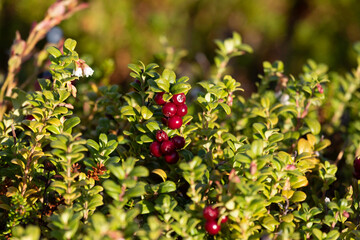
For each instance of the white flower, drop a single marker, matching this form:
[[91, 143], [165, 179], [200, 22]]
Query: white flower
[[78, 72], [88, 71], [284, 99], [81, 69]]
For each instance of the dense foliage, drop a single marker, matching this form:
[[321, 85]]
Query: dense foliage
[[173, 159]]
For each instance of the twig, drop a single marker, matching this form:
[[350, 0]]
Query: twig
[[22, 50]]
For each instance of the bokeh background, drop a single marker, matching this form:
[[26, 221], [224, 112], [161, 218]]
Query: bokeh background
[[119, 32]]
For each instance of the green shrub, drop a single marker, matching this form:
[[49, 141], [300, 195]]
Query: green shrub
[[80, 161]]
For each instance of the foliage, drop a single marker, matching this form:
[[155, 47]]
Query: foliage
[[76, 163]]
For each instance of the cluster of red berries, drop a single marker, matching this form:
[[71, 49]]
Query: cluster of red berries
[[211, 215], [357, 168], [167, 147], [173, 111]]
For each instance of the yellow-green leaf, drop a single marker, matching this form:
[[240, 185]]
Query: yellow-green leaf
[[161, 173], [298, 196], [303, 146]]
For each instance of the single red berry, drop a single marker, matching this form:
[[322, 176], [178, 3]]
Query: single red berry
[[178, 141], [167, 147], [169, 109], [159, 98], [210, 213], [175, 122], [212, 227], [172, 157], [224, 219], [30, 117], [179, 99], [181, 110], [155, 149], [357, 165], [164, 121], [161, 136]]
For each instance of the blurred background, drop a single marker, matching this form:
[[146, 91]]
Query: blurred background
[[116, 33]]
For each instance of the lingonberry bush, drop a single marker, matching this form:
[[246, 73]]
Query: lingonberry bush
[[164, 161]]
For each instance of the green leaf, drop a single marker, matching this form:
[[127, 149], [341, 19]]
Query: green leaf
[[333, 235], [134, 68], [136, 191], [118, 171], [103, 139], [152, 126], [269, 223], [166, 187], [54, 121], [257, 147], [169, 76], [226, 108], [163, 84], [127, 111], [260, 128], [314, 125], [60, 110], [139, 171], [276, 137], [54, 51], [63, 94], [58, 145], [180, 87], [96, 200], [146, 206], [70, 123], [53, 129], [322, 145], [298, 181], [317, 233], [146, 113], [146, 139], [298, 196], [112, 189], [70, 44], [276, 199], [93, 144], [58, 184], [48, 95]]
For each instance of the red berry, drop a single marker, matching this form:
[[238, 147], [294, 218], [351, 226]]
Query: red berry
[[169, 109], [161, 136], [224, 219], [172, 157], [164, 121], [357, 167], [179, 99], [210, 213], [155, 149], [181, 110], [212, 227], [30, 117], [175, 122], [159, 98], [178, 141], [167, 147]]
